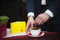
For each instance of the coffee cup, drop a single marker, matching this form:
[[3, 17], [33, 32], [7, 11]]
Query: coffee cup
[[35, 31]]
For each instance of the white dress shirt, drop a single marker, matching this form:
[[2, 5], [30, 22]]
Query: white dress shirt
[[43, 2]]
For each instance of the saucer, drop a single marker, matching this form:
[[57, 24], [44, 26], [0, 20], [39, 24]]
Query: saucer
[[40, 35]]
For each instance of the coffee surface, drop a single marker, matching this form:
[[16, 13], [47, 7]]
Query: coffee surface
[[34, 28]]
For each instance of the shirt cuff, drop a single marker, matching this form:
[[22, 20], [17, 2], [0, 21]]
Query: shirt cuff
[[31, 14], [49, 13]]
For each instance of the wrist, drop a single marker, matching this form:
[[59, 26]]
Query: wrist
[[50, 13], [46, 14], [30, 17], [30, 14]]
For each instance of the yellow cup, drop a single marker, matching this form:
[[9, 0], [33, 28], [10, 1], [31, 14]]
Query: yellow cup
[[18, 27]]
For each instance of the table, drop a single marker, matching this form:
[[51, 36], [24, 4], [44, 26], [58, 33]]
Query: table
[[47, 36]]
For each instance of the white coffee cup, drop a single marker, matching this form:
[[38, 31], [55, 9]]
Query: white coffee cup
[[35, 32]]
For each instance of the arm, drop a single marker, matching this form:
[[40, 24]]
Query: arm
[[30, 7], [53, 7], [42, 18], [30, 15]]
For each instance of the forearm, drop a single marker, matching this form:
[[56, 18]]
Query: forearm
[[53, 8], [30, 6]]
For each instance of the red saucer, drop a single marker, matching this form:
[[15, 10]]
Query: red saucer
[[41, 34]]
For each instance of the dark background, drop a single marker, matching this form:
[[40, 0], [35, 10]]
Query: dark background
[[14, 9]]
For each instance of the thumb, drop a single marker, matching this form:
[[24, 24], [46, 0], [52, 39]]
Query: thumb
[[32, 25], [27, 26]]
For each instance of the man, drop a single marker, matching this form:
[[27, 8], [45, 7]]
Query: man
[[49, 19]]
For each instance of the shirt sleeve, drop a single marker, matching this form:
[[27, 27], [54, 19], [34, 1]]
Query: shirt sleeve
[[47, 11], [31, 14], [50, 13]]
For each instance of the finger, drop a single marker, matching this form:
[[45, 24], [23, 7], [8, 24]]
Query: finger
[[32, 25], [35, 22], [27, 27], [40, 22], [37, 18]]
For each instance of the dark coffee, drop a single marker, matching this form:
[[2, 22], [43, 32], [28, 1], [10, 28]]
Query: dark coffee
[[34, 28]]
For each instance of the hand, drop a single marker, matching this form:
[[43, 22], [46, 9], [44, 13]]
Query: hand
[[41, 18], [30, 22]]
